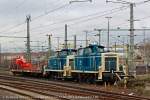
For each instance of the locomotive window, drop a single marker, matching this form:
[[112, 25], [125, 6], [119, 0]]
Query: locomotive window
[[63, 53], [87, 51], [100, 49], [80, 52], [96, 49], [56, 53], [73, 53]]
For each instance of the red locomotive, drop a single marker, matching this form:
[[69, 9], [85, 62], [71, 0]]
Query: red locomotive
[[20, 65]]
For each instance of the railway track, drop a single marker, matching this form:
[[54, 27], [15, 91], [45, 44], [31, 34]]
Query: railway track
[[62, 91]]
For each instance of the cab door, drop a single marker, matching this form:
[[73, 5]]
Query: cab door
[[110, 63]]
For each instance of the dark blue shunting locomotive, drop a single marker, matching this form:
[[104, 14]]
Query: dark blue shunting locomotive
[[57, 62], [90, 63]]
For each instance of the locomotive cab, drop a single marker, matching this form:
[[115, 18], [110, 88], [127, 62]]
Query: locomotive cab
[[110, 68], [87, 59]]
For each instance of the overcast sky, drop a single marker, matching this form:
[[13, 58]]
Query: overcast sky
[[50, 16]]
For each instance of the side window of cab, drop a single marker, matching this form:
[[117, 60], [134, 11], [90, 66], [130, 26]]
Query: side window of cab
[[87, 51], [80, 52]]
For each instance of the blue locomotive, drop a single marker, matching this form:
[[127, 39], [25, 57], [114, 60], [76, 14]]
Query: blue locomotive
[[92, 63], [57, 62], [88, 64]]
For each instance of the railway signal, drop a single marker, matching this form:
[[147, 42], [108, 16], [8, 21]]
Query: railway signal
[[108, 18], [99, 35]]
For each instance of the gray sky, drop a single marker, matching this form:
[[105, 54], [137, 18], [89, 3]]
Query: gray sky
[[57, 13]]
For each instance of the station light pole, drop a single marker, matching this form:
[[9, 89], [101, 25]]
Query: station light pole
[[49, 44], [75, 41], [108, 18], [86, 38], [99, 35], [66, 40], [28, 19], [58, 41], [123, 42]]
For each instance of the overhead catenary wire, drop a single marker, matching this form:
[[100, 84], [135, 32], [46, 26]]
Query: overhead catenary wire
[[88, 19], [20, 4], [35, 18], [85, 18], [62, 27], [51, 11], [19, 24], [64, 21], [79, 18], [120, 9], [12, 36], [74, 19], [12, 27]]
